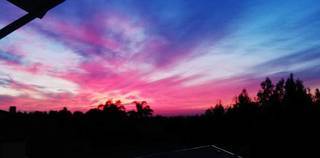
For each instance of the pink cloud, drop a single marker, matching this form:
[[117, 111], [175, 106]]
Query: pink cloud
[[135, 55], [82, 33]]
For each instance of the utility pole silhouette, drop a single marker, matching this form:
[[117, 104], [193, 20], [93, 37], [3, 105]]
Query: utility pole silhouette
[[35, 9]]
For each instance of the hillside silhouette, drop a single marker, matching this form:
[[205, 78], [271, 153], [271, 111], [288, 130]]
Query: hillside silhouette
[[282, 120]]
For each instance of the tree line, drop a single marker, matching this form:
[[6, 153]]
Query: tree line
[[280, 121]]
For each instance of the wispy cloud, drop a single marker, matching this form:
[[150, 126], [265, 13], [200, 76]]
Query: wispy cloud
[[181, 56]]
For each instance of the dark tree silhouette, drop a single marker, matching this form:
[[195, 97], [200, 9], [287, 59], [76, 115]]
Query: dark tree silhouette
[[115, 109], [296, 98], [143, 110], [244, 103], [317, 97], [265, 94], [216, 111]]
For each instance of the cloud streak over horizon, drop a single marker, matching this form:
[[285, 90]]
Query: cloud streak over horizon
[[181, 56]]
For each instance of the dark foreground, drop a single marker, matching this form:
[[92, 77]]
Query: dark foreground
[[283, 121]]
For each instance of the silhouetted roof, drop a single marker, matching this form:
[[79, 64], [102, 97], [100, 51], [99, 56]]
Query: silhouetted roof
[[39, 7], [209, 151], [35, 9]]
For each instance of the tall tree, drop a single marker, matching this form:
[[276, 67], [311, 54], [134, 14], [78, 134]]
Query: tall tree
[[296, 97], [264, 95], [244, 104], [278, 93], [317, 97]]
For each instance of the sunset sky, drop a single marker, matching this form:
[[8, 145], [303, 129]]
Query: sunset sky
[[181, 56]]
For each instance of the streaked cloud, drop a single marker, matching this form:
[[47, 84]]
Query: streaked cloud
[[182, 56]]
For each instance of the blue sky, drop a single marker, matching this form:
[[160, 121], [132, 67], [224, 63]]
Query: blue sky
[[187, 52]]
